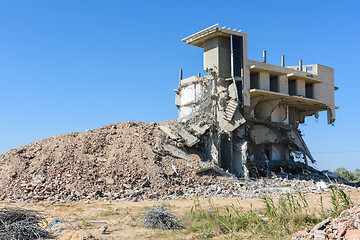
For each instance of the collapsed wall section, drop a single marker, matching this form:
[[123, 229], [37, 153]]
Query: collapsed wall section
[[211, 121]]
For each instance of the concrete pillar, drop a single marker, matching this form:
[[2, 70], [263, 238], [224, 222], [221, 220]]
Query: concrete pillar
[[300, 87], [226, 151], [237, 163], [246, 75], [264, 81], [244, 156], [287, 115], [283, 84]]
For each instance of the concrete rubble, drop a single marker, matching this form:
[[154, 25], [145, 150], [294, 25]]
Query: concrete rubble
[[134, 161], [346, 226]]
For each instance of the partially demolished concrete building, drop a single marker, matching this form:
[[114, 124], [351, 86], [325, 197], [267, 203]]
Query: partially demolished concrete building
[[245, 114]]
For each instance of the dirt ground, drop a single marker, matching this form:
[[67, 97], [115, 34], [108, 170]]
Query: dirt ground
[[73, 220]]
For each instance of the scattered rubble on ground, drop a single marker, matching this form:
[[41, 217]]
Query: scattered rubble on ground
[[130, 161], [346, 226]]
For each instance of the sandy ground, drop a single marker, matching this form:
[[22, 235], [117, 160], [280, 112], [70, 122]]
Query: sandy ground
[[73, 220]]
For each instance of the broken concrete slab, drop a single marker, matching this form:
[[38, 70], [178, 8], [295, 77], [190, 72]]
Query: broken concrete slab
[[175, 151], [295, 137], [198, 129], [197, 123], [169, 131], [212, 167], [190, 139]]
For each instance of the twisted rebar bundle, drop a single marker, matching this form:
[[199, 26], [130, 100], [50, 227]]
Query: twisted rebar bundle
[[161, 218], [22, 224]]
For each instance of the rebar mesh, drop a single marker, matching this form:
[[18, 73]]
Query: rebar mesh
[[161, 218], [22, 224]]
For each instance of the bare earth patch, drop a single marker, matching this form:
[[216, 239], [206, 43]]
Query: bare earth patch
[[73, 220]]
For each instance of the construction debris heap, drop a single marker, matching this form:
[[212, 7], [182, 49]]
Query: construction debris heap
[[255, 107]]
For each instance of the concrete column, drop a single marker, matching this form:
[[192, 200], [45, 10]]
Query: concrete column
[[244, 156], [264, 81], [283, 84], [300, 87], [246, 74], [287, 115]]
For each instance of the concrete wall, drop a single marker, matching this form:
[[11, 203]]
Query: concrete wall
[[190, 96], [283, 84], [300, 87], [264, 81], [325, 91], [217, 56]]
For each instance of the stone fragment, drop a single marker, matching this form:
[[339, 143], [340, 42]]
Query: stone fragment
[[103, 229], [169, 131], [175, 151], [190, 139]]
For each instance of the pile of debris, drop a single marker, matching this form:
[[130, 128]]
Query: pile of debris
[[346, 226], [134, 161], [121, 160]]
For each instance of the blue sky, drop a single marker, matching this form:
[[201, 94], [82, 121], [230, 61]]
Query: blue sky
[[70, 66]]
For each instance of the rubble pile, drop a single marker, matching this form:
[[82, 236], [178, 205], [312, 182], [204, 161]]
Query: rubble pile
[[116, 161], [346, 226], [130, 161]]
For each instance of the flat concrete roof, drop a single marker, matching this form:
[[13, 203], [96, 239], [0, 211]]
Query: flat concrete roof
[[268, 69], [198, 38], [307, 77]]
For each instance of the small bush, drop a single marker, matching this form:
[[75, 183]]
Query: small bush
[[350, 176]]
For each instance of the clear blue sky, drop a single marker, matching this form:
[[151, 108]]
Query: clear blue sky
[[70, 66]]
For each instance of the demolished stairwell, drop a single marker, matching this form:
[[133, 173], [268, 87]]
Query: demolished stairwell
[[244, 115]]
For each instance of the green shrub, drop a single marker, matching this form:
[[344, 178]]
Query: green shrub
[[350, 176]]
